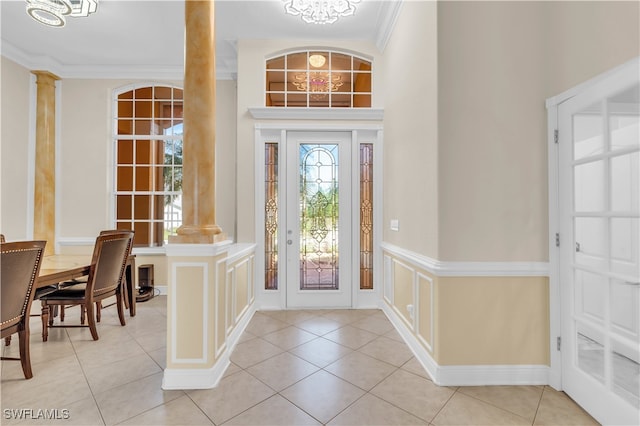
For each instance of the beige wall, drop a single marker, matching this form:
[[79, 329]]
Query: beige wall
[[497, 63], [411, 130], [15, 82]]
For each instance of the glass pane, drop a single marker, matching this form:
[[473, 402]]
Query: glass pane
[[143, 178], [125, 152], [362, 101], [590, 181], [297, 61], [142, 236], [143, 152], [366, 216], [275, 81], [625, 183], [361, 64], [276, 63], [144, 93], [587, 133], [162, 92], [319, 61], [143, 127], [340, 61], [125, 127], [589, 297], [340, 101], [625, 256], [591, 241], [590, 356], [141, 207], [362, 82], [124, 178], [624, 126], [126, 95], [172, 214], [125, 109], [296, 100], [271, 216], [319, 217], [626, 351], [123, 207]]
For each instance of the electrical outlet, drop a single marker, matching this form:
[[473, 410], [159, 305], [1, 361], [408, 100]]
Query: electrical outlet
[[395, 225], [410, 310]]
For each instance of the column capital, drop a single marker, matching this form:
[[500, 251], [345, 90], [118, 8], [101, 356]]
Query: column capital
[[45, 76]]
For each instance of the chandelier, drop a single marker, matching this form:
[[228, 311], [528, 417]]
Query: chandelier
[[320, 11], [317, 83], [53, 12]]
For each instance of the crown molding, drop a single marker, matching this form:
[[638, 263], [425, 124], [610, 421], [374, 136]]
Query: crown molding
[[311, 113], [389, 13]]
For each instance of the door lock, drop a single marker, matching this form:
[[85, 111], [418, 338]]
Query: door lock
[[289, 242]]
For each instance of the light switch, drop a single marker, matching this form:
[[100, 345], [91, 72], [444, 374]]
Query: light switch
[[395, 225]]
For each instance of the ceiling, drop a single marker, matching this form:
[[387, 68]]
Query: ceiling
[[145, 39]]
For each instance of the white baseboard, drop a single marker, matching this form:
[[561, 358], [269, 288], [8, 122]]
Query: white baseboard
[[468, 375], [177, 378]]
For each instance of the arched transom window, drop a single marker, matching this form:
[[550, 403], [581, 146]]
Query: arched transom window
[[317, 78]]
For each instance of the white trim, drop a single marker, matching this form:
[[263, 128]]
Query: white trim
[[387, 22], [197, 249], [312, 113], [558, 99], [205, 312], [417, 309], [31, 153], [467, 375], [310, 127], [469, 269]]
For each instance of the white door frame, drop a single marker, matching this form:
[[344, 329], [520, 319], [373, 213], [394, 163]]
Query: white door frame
[[277, 133], [555, 235]]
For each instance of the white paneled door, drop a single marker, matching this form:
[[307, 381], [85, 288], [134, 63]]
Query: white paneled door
[[318, 219], [599, 191]]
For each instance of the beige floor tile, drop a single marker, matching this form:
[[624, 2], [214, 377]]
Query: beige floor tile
[[129, 400], [344, 316], [374, 324], [520, 400], [262, 324], [393, 334], [118, 373], [246, 336], [387, 350], [557, 408], [465, 410], [361, 370], [414, 366], [291, 317], [351, 337], [99, 353], [320, 351], [282, 371], [274, 411], [319, 325], [160, 357], [231, 369], [44, 392], [371, 410], [289, 337], [81, 413], [180, 411], [322, 395], [152, 340], [253, 351], [233, 395], [412, 393]]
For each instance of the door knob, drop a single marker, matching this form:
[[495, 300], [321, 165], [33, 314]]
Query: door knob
[[289, 242]]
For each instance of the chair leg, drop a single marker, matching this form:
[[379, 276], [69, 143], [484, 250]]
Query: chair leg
[[91, 318], [7, 341], [25, 356], [45, 321], [61, 313], [120, 303], [98, 311]]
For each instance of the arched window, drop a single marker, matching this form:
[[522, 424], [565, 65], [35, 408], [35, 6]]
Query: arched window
[[148, 161], [318, 78]]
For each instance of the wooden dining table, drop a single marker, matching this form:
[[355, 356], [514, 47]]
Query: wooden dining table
[[60, 268]]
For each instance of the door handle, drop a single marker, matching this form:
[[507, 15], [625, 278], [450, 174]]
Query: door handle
[[289, 242], [632, 283]]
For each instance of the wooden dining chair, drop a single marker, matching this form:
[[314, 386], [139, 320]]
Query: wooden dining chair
[[106, 272], [20, 266]]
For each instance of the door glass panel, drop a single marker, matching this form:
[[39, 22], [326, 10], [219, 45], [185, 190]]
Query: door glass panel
[[590, 187], [591, 241], [366, 216], [319, 217], [587, 133], [625, 182], [271, 216], [590, 356]]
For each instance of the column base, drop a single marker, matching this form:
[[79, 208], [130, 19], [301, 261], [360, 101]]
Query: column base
[[197, 238]]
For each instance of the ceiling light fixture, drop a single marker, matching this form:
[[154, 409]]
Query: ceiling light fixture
[[320, 11], [317, 61], [53, 12], [318, 84]]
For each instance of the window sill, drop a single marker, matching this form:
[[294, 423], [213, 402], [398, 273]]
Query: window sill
[[278, 113]]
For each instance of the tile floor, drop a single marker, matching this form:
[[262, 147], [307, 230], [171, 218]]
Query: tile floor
[[341, 367]]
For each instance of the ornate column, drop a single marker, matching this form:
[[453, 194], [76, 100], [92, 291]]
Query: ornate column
[[45, 183], [198, 180]]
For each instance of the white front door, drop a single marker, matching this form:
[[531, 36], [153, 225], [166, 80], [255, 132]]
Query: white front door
[[318, 224], [599, 191]]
